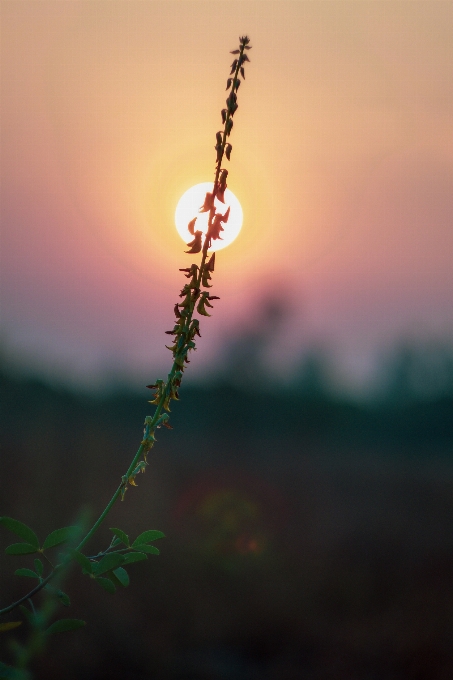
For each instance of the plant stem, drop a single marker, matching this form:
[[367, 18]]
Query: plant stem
[[112, 501], [182, 345], [35, 590]]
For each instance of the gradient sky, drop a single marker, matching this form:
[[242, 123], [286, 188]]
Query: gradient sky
[[342, 160]]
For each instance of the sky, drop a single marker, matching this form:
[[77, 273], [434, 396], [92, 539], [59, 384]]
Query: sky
[[342, 161]]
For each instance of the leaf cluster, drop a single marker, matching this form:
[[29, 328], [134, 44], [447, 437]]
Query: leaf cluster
[[107, 568]]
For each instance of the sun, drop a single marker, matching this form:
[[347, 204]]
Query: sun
[[188, 207]]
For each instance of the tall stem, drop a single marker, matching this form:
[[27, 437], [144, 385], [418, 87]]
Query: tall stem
[[152, 424]]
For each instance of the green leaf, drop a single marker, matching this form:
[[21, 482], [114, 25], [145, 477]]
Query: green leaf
[[124, 538], [39, 567], [85, 563], [21, 549], [147, 537], [107, 563], [133, 557], [21, 530], [26, 572], [62, 625], [151, 549], [64, 599], [59, 536], [106, 583], [122, 576], [9, 626]]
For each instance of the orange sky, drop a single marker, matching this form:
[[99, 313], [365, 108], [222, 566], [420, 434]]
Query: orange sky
[[342, 160]]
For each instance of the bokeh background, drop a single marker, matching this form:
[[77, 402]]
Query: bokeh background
[[307, 488]]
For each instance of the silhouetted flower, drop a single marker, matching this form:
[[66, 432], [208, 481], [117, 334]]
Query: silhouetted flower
[[233, 66], [191, 226], [208, 203], [211, 263], [195, 245]]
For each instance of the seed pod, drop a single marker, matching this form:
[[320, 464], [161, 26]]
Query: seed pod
[[226, 216], [208, 203], [195, 328], [191, 226], [216, 228], [185, 290], [201, 306], [205, 278], [195, 245], [211, 263]]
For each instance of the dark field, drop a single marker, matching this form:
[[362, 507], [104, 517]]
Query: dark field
[[308, 535]]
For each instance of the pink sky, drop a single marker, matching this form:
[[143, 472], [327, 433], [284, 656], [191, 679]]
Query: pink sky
[[342, 160]]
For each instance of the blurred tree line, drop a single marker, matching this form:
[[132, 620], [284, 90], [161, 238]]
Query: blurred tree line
[[310, 533]]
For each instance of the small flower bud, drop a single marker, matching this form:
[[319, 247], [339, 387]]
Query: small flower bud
[[191, 226], [195, 245], [210, 264], [208, 203]]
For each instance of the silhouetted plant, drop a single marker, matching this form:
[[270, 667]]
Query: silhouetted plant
[[107, 566]]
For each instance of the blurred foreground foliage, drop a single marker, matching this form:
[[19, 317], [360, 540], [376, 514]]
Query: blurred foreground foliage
[[313, 539]]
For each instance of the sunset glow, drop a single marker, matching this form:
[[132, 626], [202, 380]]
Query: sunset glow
[[188, 208], [342, 161]]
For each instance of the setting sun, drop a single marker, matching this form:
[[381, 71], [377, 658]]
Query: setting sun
[[188, 208]]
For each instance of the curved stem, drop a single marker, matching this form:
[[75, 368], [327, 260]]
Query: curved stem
[[143, 448], [35, 590], [113, 500]]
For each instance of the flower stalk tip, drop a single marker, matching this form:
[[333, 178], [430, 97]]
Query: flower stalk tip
[[194, 300]]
